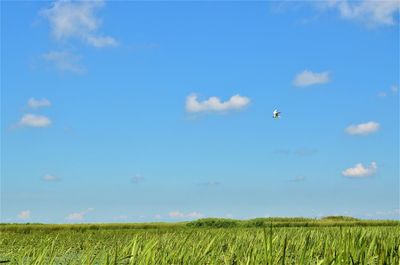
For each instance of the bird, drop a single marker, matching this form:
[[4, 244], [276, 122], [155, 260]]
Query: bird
[[276, 114]]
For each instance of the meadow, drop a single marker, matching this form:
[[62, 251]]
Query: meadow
[[206, 241]]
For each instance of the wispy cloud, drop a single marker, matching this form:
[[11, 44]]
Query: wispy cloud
[[363, 128], [393, 90], [308, 78], [64, 61], [137, 179], [24, 215], [50, 178], [359, 171], [214, 104], [382, 94], [282, 151], [157, 216], [178, 214], [77, 19], [298, 179], [120, 217], [305, 152], [371, 13], [79, 216], [211, 183], [38, 103], [34, 120]]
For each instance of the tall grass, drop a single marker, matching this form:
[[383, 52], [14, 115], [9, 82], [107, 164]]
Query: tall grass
[[185, 245]]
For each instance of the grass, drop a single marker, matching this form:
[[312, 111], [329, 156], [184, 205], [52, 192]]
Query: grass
[[206, 241]]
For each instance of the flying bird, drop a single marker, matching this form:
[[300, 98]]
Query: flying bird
[[276, 114]]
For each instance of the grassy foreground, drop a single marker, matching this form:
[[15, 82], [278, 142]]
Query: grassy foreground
[[207, 241]]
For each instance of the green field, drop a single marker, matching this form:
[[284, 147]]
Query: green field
[[208, 241]]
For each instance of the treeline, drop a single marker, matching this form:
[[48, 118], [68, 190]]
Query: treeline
[[290, 222], [330, 221]]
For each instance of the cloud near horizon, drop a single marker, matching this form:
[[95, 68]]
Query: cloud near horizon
[[24, 215], [308, 78], [359, 171], [79, 216], [214, 104], [178, 214], [363, 128]]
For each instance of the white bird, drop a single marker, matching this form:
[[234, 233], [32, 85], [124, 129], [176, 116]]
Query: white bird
[[276, 114]]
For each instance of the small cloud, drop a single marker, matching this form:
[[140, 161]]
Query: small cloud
[[370, 13], [394, 89], [77, 20], [120, 217], [359, 171], [305, 152], [38, 103], [382, 94], [139, 47], [282, 151], [50, 178], [158, 216], [79, 216], [64, 61], [178, 214], [100, 42], [308, 78], [363, 128], [137, 179], [34, 120], [214, 104], [210, 183], [299, 179], [24, 215], [389, 213]]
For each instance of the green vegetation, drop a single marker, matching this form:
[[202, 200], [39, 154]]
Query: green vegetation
[[332, 240]]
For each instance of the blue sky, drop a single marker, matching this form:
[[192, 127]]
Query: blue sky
[[162, 111]]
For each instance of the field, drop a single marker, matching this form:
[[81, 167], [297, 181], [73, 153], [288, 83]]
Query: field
[[209, 241]]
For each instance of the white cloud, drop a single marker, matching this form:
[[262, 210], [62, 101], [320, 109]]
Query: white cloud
[[178, 214], [308, 78], [363, 128], [214, 103], [359, 171], [77, 19], [64, 61], [38, 103], [24, 215], [371, 13], [79, 216], [33, 120], [50, 178]]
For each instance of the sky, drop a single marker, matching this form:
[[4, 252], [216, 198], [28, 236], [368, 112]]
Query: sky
[[148, 111]]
